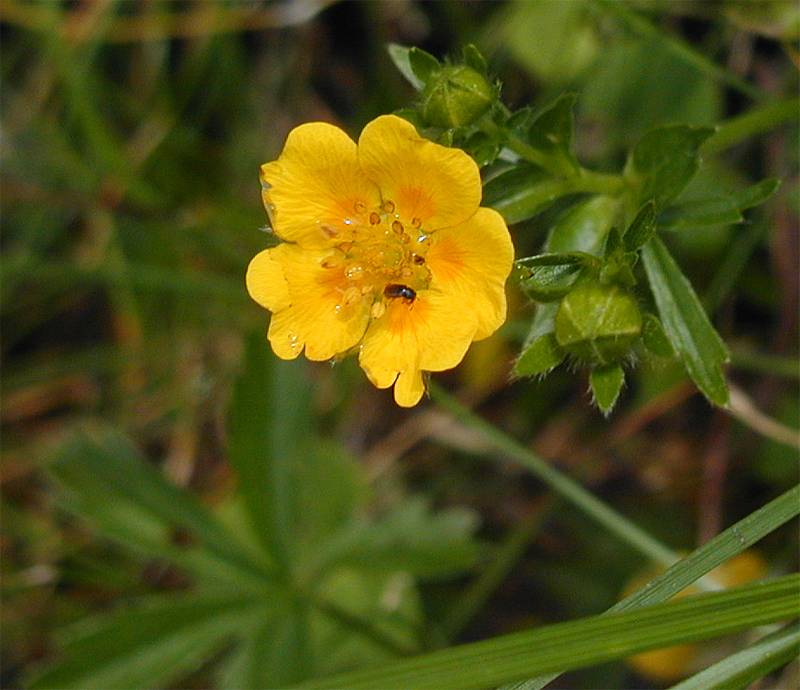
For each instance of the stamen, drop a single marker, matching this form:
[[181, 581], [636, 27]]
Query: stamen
[[329, 231], [360, 207], [388, 206], [378, 310], [351, 295], [416, 222], [374, 218], [418, 259], [397, 226], [332, 261]]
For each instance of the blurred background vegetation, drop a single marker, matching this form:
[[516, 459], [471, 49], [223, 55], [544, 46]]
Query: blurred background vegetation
[[150, 438]]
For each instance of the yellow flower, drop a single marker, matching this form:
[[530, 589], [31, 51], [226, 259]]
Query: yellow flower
[[385, 250]]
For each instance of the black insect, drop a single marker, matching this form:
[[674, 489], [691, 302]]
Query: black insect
[[396, 290]]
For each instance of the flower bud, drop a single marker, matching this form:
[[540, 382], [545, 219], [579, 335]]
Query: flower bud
[[598, 324], [456, 96]]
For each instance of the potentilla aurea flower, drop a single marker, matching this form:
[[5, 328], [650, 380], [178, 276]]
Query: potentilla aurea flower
[[386, 251]]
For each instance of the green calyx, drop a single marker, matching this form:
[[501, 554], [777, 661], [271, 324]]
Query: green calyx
[[598, 324], [456, 96]]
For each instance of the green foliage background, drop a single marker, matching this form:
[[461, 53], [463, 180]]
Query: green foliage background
[[182, 509]]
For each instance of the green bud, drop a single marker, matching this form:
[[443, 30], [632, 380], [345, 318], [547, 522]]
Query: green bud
[[598, 324], [456, 96]]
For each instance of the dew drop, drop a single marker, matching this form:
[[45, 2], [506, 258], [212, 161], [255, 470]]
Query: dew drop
[[374, 218], [422, 238], [294, 341], [354, 272]]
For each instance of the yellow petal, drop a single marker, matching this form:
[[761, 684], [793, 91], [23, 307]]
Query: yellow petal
[[430, 334], [316, 183], [312, 320], [440, 186], [265, 280], [470, 263], [409, 388]]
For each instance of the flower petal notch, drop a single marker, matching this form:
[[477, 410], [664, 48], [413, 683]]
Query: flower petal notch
[[385, 250]]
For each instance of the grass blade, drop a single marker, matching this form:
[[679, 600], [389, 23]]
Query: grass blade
[[742, 668], [581, 643]]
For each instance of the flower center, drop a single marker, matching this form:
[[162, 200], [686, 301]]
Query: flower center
[[377, 257]]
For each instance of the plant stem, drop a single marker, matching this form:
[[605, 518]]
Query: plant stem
[[573, 492], [755, 121], [788, 367]]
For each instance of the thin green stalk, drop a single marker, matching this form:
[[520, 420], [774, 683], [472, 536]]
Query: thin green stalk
[[573, 492], [643, 28], [787, 367], [760, 119], [581, 180]]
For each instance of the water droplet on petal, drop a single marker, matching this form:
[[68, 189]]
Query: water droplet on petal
[[422, 238], [354, 272]]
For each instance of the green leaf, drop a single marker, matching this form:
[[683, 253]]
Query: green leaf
[[270, 423], [402, 60], [482, 148], [423, 64], [664, 161], [147, 645], [560, 259], [642, 228], [720, 210], [518, 193], [273, 652], [550, 283], [741, 669], [585, 642], [713, 553], [654, 338], [584, 227], [552, 131], [474, 58], [606, 383], [106, 481], [685, 322], [540, 357], [411, 538]]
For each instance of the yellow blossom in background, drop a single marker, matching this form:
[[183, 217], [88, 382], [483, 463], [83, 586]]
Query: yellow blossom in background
[[385, 250]]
